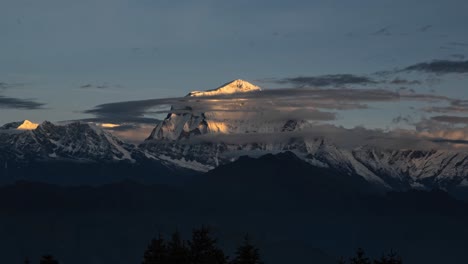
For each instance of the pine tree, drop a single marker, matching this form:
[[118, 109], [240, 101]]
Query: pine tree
[[156, 253], [178, 252], [203, 249], [390, 258], [360, 258], [247, 253], [48, 259]]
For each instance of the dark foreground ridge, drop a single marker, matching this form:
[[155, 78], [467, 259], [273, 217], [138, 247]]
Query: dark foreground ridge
[[297, 213]]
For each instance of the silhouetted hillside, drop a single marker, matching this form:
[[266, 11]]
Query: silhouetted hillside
[[297, 213]]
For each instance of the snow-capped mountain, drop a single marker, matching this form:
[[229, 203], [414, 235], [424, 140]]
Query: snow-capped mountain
[[236, 86], [192, 122], [202, 140], [74, 141], [180, 139], [171, 140], [20, 125]]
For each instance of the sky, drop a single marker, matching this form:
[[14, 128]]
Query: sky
[[62, 60]]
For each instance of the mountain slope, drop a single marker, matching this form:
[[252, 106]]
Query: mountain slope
[[74, 141]]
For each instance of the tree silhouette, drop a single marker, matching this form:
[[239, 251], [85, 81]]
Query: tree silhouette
[[156, 253], [360, 258], [247, 253], [203, 249], [390, 258], [177, 251], [48, 259]]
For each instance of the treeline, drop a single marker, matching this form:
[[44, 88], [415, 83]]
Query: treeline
[[201, 249], [361, 258]]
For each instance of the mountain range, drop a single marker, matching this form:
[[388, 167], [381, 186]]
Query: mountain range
[[191, 140]]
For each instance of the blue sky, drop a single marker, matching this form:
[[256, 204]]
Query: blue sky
[[74, 55]]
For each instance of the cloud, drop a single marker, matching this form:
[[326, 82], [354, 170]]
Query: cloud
[[90, 86], [131, 132], [425, 97], [347, 138], [451, 119], [16, 103], [273, 104], [456, 106], [407, 119], [440, 131], [118, 120], [340, 80], [385, 31], [4, 85], [425, 28], [451, 141], [458, 56], [454, 137], [317, 105], [440, 67], [86, 86], [351, 138], [325, 80], [399, 81]]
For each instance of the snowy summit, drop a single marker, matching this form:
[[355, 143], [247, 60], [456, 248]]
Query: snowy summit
[[27, 125], [20, 125], [236, 86]]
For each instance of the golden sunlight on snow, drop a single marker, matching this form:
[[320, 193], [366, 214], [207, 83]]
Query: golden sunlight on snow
[[236, 86], [218, 127], [28, 125], [109, 125]]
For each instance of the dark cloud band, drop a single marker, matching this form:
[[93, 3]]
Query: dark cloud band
[[326, 80], [16, 103], [451, 119], [440, 66]]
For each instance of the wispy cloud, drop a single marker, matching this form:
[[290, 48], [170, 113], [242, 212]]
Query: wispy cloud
[[132, 132], [335, 80], [400, 81], [5, 85], [385, 31], [425, 28], [455, 106], [90, 86], [440, 67], [17, 103], [118, 120], [348, 138], [451, 119], [131, 129], [297, 102], [458, 56]]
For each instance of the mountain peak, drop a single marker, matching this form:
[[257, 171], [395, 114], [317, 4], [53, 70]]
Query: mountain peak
[[236, 86], [27, 125], [20, 125]]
